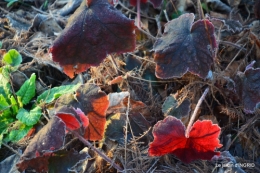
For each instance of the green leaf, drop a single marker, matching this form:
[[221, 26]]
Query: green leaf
[[20, 131], [27, 90], [12, 57], [14, 105], [29, 118], [5, 87], [54, 93], [4, 107]]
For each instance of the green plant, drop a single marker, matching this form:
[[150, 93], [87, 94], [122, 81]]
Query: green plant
[[15, 119]]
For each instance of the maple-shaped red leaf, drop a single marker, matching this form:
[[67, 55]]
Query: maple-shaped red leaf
[[185, 47], [48, 140], [169, 137], [248, 87], [93, 31], [73, 118], [94, 103]]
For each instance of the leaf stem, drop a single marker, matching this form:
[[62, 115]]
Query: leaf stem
[[187, 132], [116, 166]]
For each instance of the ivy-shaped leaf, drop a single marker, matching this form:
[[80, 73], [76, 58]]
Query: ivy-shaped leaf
[[50, 95], [93, 31], [4, 107], [27, 90], [29, 118], [169, 137], [185, 47], [12, 57]]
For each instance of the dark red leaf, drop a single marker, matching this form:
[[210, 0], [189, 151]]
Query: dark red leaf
[[93, 102], [92, 33], [169, 137], [49, 139], [134, 2], [248, 88], [185, 47]]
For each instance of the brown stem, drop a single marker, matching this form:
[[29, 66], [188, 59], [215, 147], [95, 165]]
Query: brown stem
[[116, 166]]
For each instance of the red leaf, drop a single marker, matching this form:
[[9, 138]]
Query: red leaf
[[71, 122], [84, 119], [185, 47], [169, 137], [134, 2], [93, 103], [93, 31]]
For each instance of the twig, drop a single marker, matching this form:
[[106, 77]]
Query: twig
[[10, 148], [101, 154], [232, 44], [195, 112]]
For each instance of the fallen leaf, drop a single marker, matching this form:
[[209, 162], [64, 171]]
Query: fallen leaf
[[169, 137], [93, 102], [49, 139], [93, 31], [185, 47]]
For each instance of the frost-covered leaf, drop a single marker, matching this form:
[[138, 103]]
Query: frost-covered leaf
[[169, 137], [73, 118], [54, 93], [185, 47], [12, 57], [29, 118], [93, 102], [27, 90], [9, 164], [94, 30], [49, 139], [63, 161], [248, 88], [172, 107]]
